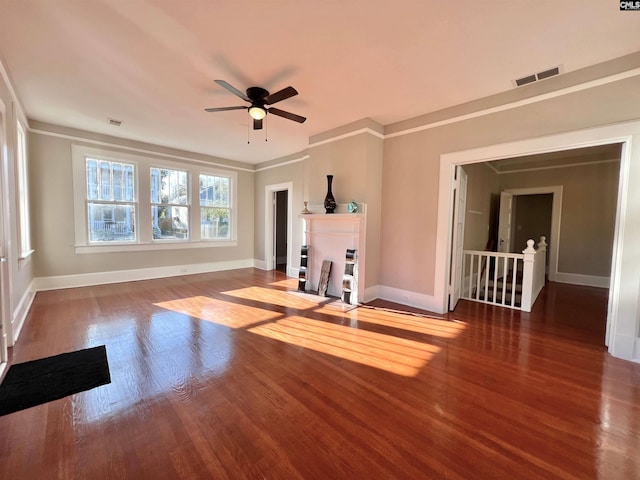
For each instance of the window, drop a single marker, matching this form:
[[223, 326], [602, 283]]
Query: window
[[169, 204], [23, 194], [111, 207], [215, 207], [129, 202]]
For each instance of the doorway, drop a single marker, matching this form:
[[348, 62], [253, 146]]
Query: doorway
[[277, 228], [281, 221], [622, 320], [553, 195]]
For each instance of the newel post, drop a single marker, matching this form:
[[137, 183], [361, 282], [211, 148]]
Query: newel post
[[542, 244], [527, 276]]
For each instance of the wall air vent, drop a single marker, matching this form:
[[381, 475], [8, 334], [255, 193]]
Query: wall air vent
[[114, 122], [534, 77]]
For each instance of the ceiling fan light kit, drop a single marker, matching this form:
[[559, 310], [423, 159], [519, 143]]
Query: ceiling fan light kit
[[257, 113], [259, 97]]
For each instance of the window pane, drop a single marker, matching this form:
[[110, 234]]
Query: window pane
[[169, 186], [111, 222], [118, 182], [214, 191], [105, 181], [169, 222], [128, 183], [92, 179], [214, 223]]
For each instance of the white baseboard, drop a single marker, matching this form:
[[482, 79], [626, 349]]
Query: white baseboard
[[261, 264], [100, 278], [624, 346], [411, 299], [371, 293], [585, 280], [21, 312], [293, 272]]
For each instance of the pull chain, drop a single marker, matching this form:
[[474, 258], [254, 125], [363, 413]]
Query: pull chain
[[248, 141]]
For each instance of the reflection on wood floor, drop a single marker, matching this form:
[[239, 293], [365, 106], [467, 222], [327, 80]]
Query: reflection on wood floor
[[236, 375]]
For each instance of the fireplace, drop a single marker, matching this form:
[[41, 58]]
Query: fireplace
[[328, 236]]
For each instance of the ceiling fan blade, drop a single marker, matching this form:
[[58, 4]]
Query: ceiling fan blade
[[233, 90], [224, 109], [280, 95], [257, 124], [287, 115]]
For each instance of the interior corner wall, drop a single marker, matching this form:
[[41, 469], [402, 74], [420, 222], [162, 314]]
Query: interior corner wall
[[289, 172], [356, 165], [52, 207]]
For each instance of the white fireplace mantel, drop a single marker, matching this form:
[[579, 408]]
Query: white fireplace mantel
[[328, 237]]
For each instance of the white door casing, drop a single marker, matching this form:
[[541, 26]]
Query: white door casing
[[504, 222], [6, 335], [459, 214], [269, 224]]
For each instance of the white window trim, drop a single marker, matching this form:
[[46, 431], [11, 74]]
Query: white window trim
[[145, 239], [22, 194]]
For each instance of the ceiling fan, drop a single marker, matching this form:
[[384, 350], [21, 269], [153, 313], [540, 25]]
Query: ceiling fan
[[259, 97]]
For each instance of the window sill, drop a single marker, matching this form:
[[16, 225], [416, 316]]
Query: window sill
[[24, 258], [165, 245]]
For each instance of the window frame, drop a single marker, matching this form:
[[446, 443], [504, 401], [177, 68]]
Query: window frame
[[22, 193], [113, 203], [230, 206], [143, 214], [187, 205]]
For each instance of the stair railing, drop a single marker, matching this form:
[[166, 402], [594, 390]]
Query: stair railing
[[511, 280]]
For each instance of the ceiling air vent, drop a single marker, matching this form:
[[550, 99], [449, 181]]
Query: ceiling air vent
[[534, 77], [114, 122]]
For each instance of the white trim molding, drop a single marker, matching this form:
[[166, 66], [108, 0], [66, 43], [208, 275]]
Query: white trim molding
[[409, 298], [585, 280], [22, 311], [119, 276]]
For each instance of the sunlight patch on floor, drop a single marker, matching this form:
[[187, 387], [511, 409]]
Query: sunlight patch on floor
[[412, 323], [277, 297], [230, 315], [386, 352], [288, 283]]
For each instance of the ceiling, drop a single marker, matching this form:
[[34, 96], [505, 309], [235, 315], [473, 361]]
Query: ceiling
[[151, 63]]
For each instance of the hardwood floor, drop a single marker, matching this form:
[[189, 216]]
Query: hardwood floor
[[235, 375]]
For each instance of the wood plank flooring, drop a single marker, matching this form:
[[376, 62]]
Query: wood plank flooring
[[235, 375]]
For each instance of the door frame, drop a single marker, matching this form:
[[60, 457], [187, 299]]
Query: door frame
[[269, 230], [6, 332], [459, 195], [622, 323], [556, 217]]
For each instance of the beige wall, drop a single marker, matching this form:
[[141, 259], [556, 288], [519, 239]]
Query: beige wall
[[356, 165], [52, 210], [291, 172], [589, 198]]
